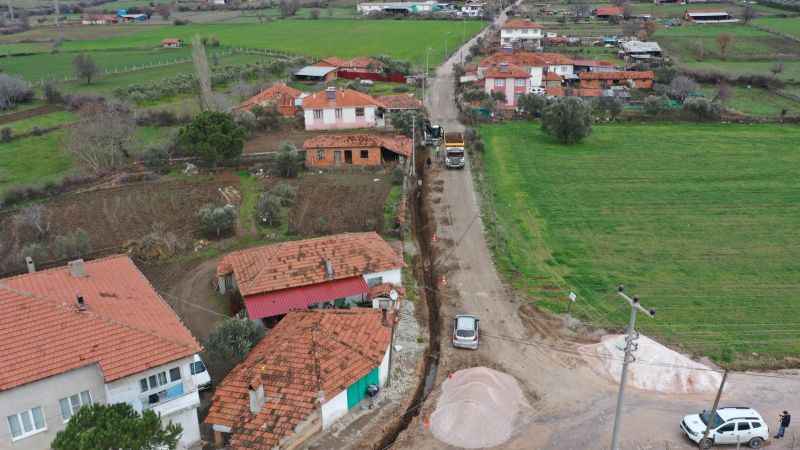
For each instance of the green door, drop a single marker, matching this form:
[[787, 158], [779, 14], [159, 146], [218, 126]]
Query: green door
[[358, 390]]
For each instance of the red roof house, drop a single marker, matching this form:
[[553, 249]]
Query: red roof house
[[279, 94], [604, 80], [604, 12], [309, 370], [278, 278], [366, 150]]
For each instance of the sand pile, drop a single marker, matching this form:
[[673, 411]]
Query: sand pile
[[656, 368], [478, 407]]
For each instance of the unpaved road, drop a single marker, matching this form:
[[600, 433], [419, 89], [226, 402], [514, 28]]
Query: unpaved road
[[573, 407]]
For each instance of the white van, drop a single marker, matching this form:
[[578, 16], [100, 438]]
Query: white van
[[200, 374]]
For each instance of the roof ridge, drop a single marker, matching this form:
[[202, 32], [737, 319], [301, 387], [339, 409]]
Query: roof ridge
[[346, 344], [90, 314], [57, 268]]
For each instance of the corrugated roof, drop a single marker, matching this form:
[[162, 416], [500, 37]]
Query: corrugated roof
[[126, 327], [314, 71], [300, 298], [307, 353], [301, 263]]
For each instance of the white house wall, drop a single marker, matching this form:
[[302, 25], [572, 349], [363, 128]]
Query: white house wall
[[394, 276], [45, 394], [536, 77], [334, 409], [383, 372], [191, 426]]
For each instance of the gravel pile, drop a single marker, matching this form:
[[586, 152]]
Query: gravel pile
[[657, 368], [478, 408]]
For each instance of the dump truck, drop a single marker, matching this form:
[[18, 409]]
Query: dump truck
[[454, 157]]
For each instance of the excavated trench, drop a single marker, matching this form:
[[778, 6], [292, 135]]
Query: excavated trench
[[421, 218]]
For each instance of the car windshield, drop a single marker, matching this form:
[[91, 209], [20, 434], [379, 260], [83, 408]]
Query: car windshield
[[458, 154], [465, 327], [717, 419]]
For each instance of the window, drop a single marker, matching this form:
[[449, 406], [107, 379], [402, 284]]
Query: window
[[26, 423], [70, 405], [499, 82], [364, 154], [743, 426], [520, 82], [320, 155], [725, 428], [197, 367], [154, 381], [338, 113], [175, 374], [359, 112], [318, 114], [755, 425], [374, 281]]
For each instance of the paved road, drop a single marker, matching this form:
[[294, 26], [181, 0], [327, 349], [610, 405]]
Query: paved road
[[573, 408]]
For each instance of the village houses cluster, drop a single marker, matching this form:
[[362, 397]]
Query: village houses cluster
[[98, 332]]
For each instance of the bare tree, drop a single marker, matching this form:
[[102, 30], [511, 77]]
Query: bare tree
[[164, 11], [724, 92], [681, 87], [748, 14], [34, 218], [203, 73], [699, 50], [103, 137], [650, 28], [627, 11], [776, 68], [11, 9], [85, 67], [724, 41]]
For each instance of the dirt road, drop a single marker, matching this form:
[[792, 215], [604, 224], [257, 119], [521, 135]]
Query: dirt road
[[573, 407]]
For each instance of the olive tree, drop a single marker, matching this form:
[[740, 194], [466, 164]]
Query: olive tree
[[213, 136], [568, 120]]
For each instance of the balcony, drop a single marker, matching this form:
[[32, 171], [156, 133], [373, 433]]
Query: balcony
[[175, 396]]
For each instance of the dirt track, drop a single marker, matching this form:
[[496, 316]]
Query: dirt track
[[573, 407]]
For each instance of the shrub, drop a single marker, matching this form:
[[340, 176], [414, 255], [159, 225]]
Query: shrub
[[568, 120], [156, 159], [36, 250], [702, 109], [268, 209], [230, 341], [397, 176], [36, 131], [267, 118], [314, 14], [72, 245], [286, 193], [52, 95], [217, 221], [180, 22], [213, 136], [681, 87], [289, 161], [532, 105], [655, 105], [6, 134], [78, 101], [13, 91]]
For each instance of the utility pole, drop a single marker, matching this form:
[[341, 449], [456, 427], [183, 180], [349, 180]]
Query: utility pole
[[463, 37], [413, 169], [713, 414], [445, 44], [11, 9], [425, 76], [630, 346]]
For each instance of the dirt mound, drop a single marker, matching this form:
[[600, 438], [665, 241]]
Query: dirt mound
[[478, 408], [657, 368]]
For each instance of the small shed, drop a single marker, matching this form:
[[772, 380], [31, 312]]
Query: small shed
[[172, 43], [316, 73]]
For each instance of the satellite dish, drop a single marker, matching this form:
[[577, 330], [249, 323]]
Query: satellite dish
[[394, 295]]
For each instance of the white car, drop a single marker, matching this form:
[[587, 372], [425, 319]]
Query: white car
[[200, 374], [465, 332], [731, 425]]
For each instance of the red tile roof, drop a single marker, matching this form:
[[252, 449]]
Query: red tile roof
[[126, 328], [400, 101], [362, 62], [554, 91], [608, 11], [552, 76], [509, 71], [397, 144], [272, 93], [555, 59], [345, 98], [525, 59], [332, 61], [519, 23], [592, 63], [301, 263], [307, 353], [621, 75]]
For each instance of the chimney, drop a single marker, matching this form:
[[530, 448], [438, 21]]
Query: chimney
[[30, 264], [76, 268], [330, 93], [80, 302], [256, 398], [329, 273]]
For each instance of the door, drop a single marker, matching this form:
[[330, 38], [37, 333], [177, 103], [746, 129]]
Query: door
[[348, 157], [743, 432], [725, 434], [337, 157], [358, 390]]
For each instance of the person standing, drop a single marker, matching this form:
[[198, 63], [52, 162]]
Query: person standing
[[785, 420]]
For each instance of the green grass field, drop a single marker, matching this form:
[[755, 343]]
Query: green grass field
[[755, 101], [783, 25], [44, 121], [677, 10], [403, 39], [33, 160], [790, 73], [748, 42], [701, 221]]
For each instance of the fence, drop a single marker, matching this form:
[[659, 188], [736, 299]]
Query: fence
[[228, 51], [353, 75]]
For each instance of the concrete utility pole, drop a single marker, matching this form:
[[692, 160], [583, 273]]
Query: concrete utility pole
[[425, 76], [11, 9], [463, 38], [445, 44], [630, 346], [713, 414]]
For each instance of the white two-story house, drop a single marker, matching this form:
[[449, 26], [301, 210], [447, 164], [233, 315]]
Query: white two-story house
[[523, 31], [91, 332], [337, 109], [511, 81]]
